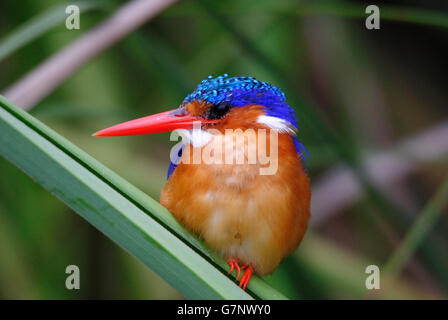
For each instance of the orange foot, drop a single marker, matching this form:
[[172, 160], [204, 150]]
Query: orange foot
[[246, 276], [234, 265]]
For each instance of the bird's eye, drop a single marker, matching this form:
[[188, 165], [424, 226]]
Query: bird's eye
[[218, 111]]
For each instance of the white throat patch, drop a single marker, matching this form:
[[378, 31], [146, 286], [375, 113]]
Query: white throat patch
[[198, 137]]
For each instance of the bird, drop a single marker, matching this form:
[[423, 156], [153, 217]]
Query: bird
[[252, 220]]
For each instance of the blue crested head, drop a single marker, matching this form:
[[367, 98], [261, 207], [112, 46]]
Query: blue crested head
[[242, 91]]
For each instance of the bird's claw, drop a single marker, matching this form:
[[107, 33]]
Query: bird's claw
[[246, 276], [234, 265], [248, 271]]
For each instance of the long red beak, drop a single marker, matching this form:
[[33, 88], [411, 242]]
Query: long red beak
[[156, 123]]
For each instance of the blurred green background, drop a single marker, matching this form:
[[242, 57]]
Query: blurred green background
[[358, 94]]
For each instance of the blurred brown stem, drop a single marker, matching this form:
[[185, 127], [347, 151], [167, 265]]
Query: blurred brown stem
[[420, 229], [40, 82], [338, 188]]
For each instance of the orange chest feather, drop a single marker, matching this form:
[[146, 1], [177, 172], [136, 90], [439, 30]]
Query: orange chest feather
[[258, 219]]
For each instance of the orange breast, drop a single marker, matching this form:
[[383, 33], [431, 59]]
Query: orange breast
[[257, 219]]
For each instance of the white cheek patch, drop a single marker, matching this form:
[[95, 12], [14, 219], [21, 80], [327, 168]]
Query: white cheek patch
[[281, 125], [198, 137]]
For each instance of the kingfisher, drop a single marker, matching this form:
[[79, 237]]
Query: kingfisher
[[253, 220]]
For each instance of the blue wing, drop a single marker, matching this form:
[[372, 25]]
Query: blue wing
[[173, 165]]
